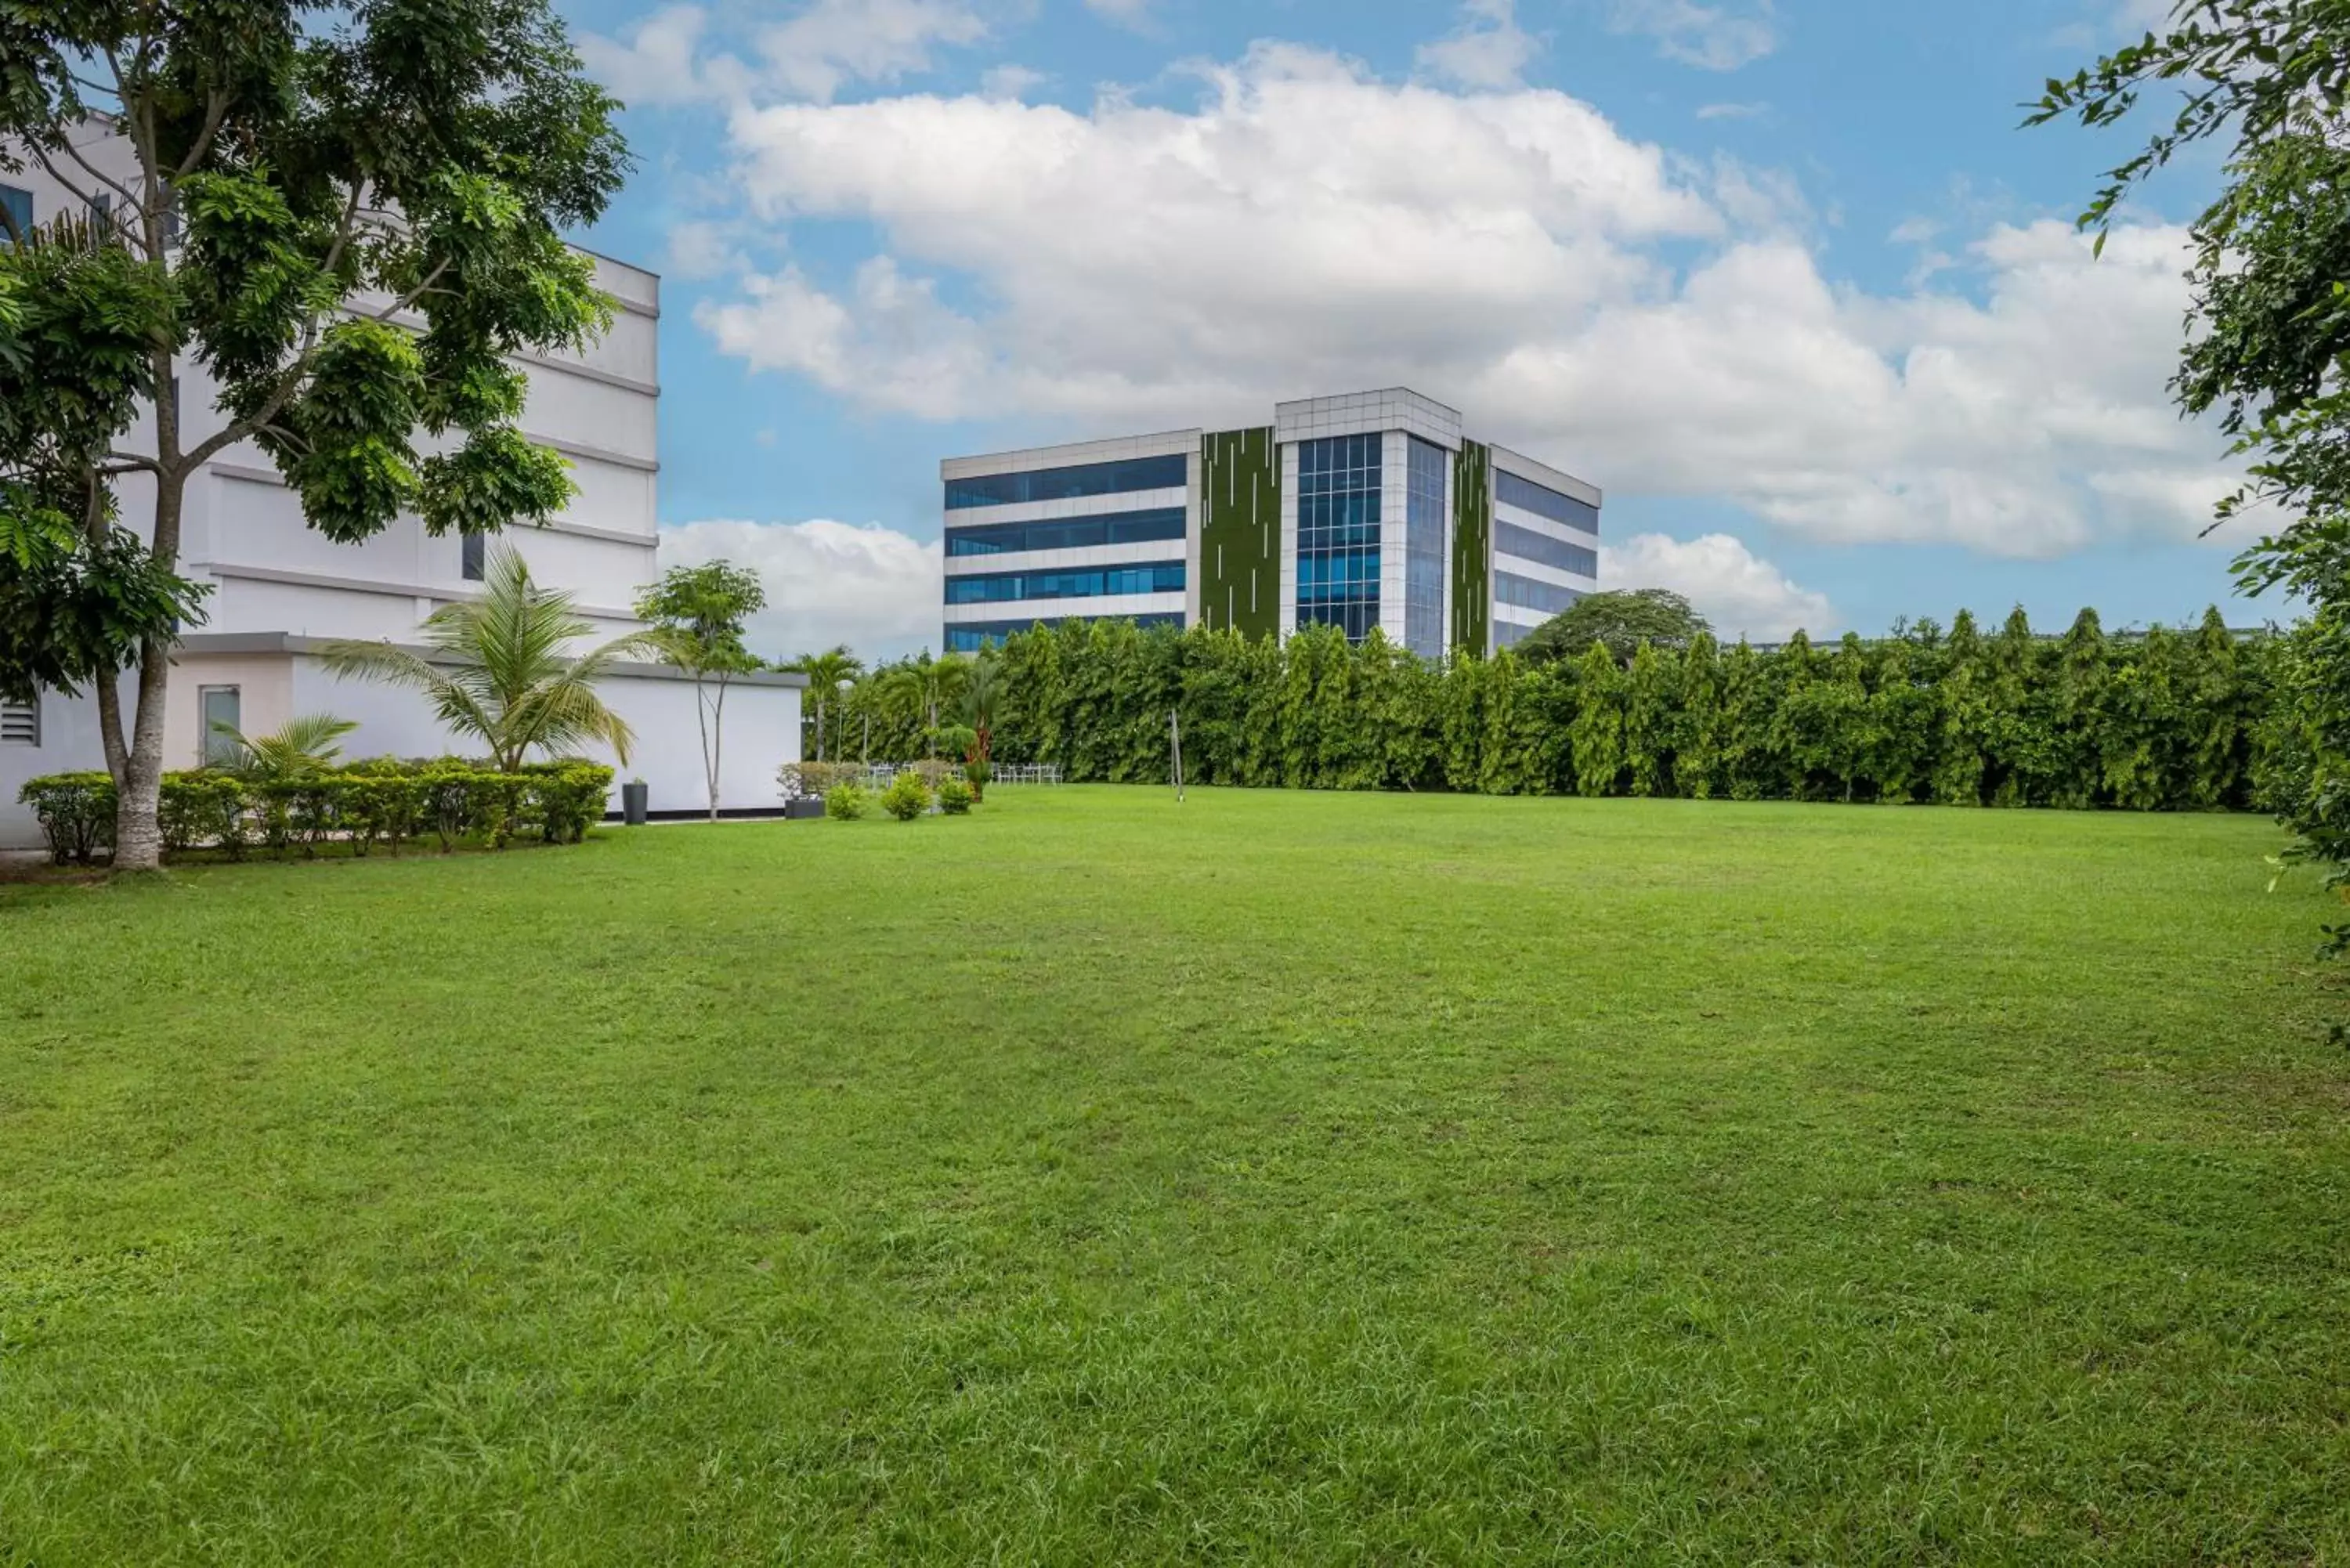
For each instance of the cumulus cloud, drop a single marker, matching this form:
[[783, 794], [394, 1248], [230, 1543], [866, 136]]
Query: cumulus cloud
[[1488, 51], [1659, 325], [1711, 37], [811, 53], [874, 588], [1740, 594]]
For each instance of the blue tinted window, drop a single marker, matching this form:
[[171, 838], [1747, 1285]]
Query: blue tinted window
[[20, 209], [1069, 483], [1068, 532], [1504, 634], [1338, 533], [1509, 539], [1077, 583], [1424, 518], [1509, 588], [973, 636], [1544, 502]]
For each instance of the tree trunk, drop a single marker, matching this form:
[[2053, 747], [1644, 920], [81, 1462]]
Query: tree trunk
[[717, 742], [138, 834]]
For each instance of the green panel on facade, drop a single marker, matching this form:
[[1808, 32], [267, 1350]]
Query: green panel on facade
[[1240, 532], [1473, 548]]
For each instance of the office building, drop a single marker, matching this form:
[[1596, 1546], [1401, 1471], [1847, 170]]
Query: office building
[[1368, 510], [279, 588]]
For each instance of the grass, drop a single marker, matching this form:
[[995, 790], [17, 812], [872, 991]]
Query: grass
[[1295, 1179]]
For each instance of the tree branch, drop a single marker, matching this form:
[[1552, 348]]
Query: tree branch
[[215, 111], [419, 292]]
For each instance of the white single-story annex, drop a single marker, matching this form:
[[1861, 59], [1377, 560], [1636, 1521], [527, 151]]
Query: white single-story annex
[[280, 590]]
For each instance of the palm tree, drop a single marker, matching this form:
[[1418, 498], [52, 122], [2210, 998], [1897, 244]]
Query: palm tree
[[300, 747], [925, 686], [825, 673], [497, 669], [983, 686]]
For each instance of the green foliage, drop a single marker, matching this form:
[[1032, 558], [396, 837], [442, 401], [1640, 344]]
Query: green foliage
[[956, 797], [696, 616], [496, 668], [907, 797], [304, 745], [2156, 721], [350, 221], [1617, 620], [383, 801], [825, 673], [845, 801]]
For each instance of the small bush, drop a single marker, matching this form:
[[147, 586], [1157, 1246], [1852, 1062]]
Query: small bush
[[76, 811], [802, 779], [955, 798], [844, 801], [382, 801], [907, 797]]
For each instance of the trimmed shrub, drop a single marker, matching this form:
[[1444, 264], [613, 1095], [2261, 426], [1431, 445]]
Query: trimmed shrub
[[844, 801], [908, 797], [382, 801], [76, 811], [800, 780], [955, 798]]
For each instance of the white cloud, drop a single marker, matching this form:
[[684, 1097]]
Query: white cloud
[[656, 62], [1489, 50], [811, 53], [1740, 594], [1125, 13], [1714, 37], [1732, 111], [1661, 325], [871, 588], [1010, 81]]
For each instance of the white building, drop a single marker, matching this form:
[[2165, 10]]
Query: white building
[[279, 588], [1371, 509]]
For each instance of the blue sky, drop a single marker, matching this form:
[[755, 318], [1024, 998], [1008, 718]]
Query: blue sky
[[1784, 277]]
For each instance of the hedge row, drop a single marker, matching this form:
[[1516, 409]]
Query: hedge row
[[2161, 721], [387, 801]]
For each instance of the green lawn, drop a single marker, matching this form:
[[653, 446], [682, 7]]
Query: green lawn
[[1283, 1178]]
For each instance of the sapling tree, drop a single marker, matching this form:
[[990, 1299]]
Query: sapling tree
[[347, 218], [697, 615]]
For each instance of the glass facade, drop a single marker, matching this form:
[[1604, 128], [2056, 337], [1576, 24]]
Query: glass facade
[[1070, 484], [1505, 634], [1544, 502], [1423, 549], [1509, 539], [1067, 583], [1068, 532], [1338, 533], [1527, 593], [973, 636], [20, 208]]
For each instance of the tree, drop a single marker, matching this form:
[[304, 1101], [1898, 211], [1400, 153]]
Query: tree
[[825, 673], [502, 674], [1620, 621], [347, 220], [697, 615], [2268, 335], [921, 690], [299, 748]]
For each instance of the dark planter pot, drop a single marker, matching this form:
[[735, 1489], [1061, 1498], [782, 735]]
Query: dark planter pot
[[803, 807], [634, 800]]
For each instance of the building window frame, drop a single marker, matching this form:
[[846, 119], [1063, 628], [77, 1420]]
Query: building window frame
[[20, 722], [217, 749]]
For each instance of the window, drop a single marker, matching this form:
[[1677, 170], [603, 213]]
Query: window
[[1069, 483], [222, 707], [20, 723], [1506, 634], [973, 636], [1423, 549], [1338, 533], [1069, 534], [19, 207], [473, 556], [1544, 502], [1079, 583], [1527, 593], [1509, 539]]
